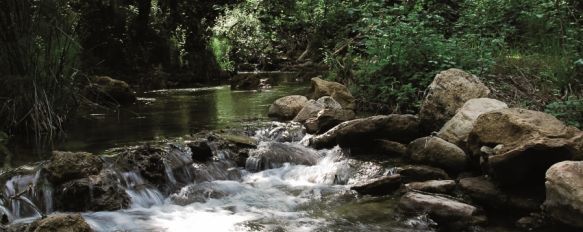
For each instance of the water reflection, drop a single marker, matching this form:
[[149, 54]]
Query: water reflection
[[176, 112]]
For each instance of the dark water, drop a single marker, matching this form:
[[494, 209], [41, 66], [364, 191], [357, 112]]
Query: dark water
[[167, 113]]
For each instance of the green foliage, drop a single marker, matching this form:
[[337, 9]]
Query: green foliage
[[569, 110], [221, 49]]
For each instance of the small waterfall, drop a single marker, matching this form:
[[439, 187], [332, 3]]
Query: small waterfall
[[140, 193], [21, 192]]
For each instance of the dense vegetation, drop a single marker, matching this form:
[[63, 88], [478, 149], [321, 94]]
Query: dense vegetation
[[387, 51]]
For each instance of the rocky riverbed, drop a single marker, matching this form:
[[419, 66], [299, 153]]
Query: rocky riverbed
[[464, 163]]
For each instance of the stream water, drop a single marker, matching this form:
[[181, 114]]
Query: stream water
[[219, 196]]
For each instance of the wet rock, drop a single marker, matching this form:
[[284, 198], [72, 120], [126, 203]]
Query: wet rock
[[445, 211], [204, 191], [517, 146], [106, 90], [326, 119], [61, 223], [145, 160], [447, 93], [335, 90], [242, 141], [95, 193], [379, 186], [394, 127], [417, 173], [287, 107], [282, 132], [457, 129], [201, 150], [245, 81], [66, 166], [433, 186], [564, 193], [437, 152], [270, 155]]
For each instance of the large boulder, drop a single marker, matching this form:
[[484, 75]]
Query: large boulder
[[517, 146], [378, 186], [270, 155], [564, 193], [245, 81], [394, 127], [66, 166], [485, 192], [287, 107], [106, 90], [437, 152], [95, 193], [447, 93], [457, 129], [445, 211], [335, 90], [61, 223]]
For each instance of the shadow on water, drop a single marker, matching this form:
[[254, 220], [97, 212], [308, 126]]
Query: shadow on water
[[166, 113]]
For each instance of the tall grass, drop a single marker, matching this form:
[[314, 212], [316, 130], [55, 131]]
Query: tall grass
[[38, 55]]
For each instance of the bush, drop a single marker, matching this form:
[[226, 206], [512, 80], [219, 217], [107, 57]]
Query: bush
[[569, 110]]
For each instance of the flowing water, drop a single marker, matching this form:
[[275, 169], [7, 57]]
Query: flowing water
[[218, 195]]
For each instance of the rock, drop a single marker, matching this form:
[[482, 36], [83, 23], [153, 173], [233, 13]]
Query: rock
[[104, 89], [517, 146], [145, 160], [245, 81], [484, 192], [313, 107], [433, 186], [201, 192], [437, 152], [270, 155], [335, 90], [457, 129], [417, 173], [390, 148], [327, 119], [201, 151], [394, 127], [61, 223], [287, 107], [533, 222], [95, 193], [447, 93], [564, 193], [379, 186], [66, 166], [443, 210]]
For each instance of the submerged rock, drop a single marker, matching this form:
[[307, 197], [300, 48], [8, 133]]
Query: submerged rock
[[433, 186], [417, 173], [437, 152], [394, 127], [95, 193], [447, 93], [202, 192], [287, 107], [445, 211], [517, 146], [66, 166], [379, 186], [61, 223], [335, 90], [564, 193], [457, 129], [104, 89], [273, 155]]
